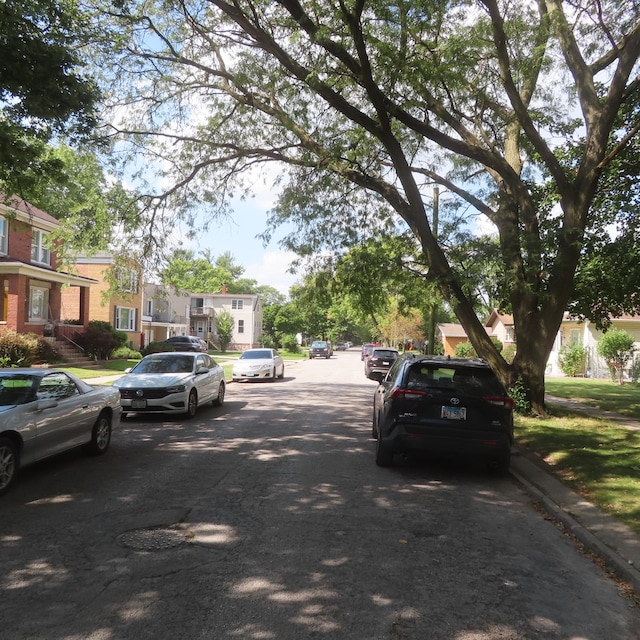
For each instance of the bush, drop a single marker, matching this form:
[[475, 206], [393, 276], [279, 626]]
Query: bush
[[572, 359], [465, 350], [616, 347], [290, 344], [18, 349], [99, 340], [125, 353]]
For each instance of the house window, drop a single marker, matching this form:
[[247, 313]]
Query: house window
[[237, 304], [240, 326], [125, 319], [38, 303], [509, 334], [3, 235], [39, 252], [575, 336], [149, 307], [128, 280]]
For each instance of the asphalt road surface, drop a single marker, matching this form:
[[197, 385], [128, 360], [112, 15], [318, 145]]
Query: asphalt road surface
[[267, 519]]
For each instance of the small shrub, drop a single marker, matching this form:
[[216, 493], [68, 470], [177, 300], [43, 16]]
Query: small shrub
[[572, 359], [98, 340], [125, 353], [290, 344], [465, 350], [518, 392], [18, 349]]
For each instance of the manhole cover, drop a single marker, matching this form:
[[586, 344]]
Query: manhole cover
[[152, 539]]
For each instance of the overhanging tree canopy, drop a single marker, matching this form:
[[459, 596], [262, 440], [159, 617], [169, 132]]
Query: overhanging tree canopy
[[371, 103]]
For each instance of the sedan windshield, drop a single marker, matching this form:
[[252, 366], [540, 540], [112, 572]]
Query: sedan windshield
[[260, 354], [164, 364], [16, 389]]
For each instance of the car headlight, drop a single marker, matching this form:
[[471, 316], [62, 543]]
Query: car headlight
[[177, 388]]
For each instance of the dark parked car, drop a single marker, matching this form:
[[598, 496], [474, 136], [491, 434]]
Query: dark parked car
[[380, 360], [187, 343], [443, 406], [320, 349]]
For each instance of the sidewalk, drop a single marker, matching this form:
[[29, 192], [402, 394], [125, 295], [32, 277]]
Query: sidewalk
[[598, 531]]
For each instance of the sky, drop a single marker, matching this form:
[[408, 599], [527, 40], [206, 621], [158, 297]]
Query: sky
[[237, 235]]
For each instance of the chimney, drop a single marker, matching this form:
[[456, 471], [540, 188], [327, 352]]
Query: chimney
[[224, 288]]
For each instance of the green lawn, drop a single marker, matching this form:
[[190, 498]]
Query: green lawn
[[596, 457]]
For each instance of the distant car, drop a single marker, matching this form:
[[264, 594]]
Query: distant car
[[320, 349], [443, 406], [187, 343], [172, 382], [380, 360], [341, 346], [46, 411], [257, 364], [366, 350]]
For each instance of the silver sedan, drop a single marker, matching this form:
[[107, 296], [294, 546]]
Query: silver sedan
[[46, 411], [256, 364], [172, 382]]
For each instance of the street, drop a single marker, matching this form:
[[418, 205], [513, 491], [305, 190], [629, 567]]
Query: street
[[267, 519]]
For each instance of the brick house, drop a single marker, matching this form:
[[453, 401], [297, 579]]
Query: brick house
[[30, 277], [121, 310]]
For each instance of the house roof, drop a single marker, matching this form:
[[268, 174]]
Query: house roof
[[48, 274], [28, 211], [495, 316]]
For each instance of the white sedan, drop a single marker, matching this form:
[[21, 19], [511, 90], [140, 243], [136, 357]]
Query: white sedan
[[172, 382], [46, 411], [257, 364]]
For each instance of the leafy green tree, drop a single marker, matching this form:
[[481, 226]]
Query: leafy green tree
[[224, 327], [44, 92], [572, 358], [616, 347], [371, 104]]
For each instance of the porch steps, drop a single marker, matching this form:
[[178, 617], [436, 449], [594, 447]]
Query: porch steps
[[73, 357]]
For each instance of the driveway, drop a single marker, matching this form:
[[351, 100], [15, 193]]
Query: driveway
[[267, 519]]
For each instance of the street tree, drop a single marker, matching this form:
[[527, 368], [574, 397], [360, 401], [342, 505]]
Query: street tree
[[224, 329], [45, 91], [617, 347], [368, 105]]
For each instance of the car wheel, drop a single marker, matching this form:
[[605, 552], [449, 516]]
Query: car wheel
[[499, 465], [192, 404], [374, 424], [384, 455], [100, 435], [282, 373], [8, 464], [272, 377], [218, 401]]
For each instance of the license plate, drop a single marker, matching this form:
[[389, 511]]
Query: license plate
[[138, 404], [385, 362], [454, 413], [250, 374]]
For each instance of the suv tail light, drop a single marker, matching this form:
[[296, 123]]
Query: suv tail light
[[401, 393], [507, 403]]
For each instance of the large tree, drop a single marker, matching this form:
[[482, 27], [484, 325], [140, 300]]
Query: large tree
[[43, 90], [370, 104]]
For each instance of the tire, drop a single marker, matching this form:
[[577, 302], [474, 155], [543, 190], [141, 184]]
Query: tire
[[100, 435], [374, 425], [272, 377], [8, 464], [192, 404], [218, 401], [499, 465], [282, 374], [384, 455]]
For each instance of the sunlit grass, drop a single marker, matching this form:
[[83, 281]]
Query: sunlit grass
[[603, 394], [598, 459]]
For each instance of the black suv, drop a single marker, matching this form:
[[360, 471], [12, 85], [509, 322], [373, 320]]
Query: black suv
[[380, 361], [443, 406], [187, 343]]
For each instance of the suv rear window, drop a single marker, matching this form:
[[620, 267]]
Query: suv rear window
[[384, 353], [469, 381]]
